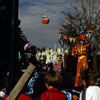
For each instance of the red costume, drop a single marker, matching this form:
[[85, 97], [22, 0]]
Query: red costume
[[80, 50], [53, 94], [22, 97]]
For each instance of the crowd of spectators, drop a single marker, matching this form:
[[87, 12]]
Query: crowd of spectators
[[48, 71]]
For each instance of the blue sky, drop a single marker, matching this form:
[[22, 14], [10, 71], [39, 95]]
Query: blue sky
[[30, 14]]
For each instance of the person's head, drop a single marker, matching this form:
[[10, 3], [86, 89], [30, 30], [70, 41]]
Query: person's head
[[92, 78], [32, 49], [53, 79], [81, 42]]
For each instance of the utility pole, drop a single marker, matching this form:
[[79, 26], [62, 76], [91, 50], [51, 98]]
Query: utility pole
[[13, 42]]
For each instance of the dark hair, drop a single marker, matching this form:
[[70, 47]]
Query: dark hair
[[32, 49], [92, 77], [76, 91], [53, 79]]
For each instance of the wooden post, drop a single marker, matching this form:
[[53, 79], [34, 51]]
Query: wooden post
[[20, 84]]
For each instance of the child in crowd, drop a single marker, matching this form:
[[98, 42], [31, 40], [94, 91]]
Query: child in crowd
[[52, 81]]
